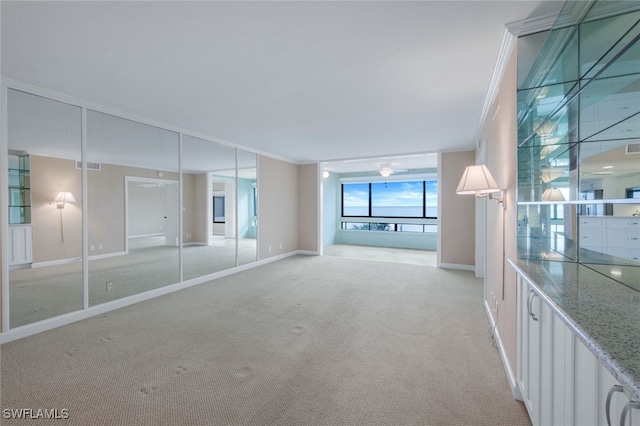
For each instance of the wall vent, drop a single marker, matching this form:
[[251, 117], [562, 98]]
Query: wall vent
[[90, 165], [632, 148]]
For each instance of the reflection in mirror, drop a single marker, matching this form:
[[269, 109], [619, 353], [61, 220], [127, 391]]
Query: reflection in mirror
[[209, 233], [133, 213], [547, 232], [45, 208], [247, 207]]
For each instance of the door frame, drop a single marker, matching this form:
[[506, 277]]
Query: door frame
[[128, 179]]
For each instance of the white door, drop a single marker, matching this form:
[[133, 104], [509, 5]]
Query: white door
[[171, 226]]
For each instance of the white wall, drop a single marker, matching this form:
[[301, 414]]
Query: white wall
[[500, 135], [278, 201], [330, 206], [308, 222], [456, 213]]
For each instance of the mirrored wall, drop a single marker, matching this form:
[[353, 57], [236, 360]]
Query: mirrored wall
[[579, 144], [45, 208], [161, 207]]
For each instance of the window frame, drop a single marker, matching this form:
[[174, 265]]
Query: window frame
[[223, 209], [370, 207]]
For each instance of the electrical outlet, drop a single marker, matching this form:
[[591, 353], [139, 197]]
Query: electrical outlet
[[280, 246], [92, 247], [269, 249], [109, 285], [100, 246]]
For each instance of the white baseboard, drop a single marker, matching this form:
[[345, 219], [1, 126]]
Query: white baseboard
[[65, 319], [194, 243], [146, 235], [308, 252], [461, 267], [515, 391], [76, 259]]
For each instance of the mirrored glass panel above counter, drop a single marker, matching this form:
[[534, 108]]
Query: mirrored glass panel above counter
[[579, 143]]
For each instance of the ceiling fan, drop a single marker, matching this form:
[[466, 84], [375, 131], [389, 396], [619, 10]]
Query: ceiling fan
[[386, 170]]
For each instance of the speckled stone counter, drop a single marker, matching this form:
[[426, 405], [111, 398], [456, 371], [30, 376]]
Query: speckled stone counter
[[603, 313]]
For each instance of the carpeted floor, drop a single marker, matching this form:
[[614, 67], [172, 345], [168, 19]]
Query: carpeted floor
[[39, 293], [306, 340]]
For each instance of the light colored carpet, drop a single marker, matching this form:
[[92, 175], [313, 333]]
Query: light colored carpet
[[377, 254], [40, 293], [307, 340]]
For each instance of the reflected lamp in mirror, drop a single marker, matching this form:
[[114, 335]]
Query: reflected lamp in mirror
[[553, 173], [552, 194], [477, 179], [64, 197]]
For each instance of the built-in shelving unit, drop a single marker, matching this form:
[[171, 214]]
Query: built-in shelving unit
[[19, 188], [20, 231]]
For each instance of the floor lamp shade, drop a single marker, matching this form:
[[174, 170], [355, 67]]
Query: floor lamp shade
[[64, 197]]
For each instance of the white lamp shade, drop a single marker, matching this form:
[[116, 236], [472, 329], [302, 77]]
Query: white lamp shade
[[65, 197], [477, 180], [552, 194], [547, 175]]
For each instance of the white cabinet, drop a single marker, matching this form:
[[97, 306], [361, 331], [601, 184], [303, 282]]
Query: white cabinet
[[623, 237], [592, 233], [616, 402], [561, 381], [20, 245], [613, 235]]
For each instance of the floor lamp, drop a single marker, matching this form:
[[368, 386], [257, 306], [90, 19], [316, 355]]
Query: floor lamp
[[61, 199]]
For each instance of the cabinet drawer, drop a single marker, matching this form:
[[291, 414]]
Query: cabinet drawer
[[591, 222], [625, 253], [624, 238], [591, 237], [623, 223]]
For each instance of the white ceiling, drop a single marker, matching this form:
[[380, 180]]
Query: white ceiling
[[306, 81]]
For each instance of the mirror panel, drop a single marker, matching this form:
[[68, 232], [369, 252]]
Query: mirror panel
[[547, 232], [45, 236], [208, 183], [587, 147], [247, 207], [596, 49], [133, 209]]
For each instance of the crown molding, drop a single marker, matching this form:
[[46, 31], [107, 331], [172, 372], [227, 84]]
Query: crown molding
[[507, 45], [510, 35], [532, 25]]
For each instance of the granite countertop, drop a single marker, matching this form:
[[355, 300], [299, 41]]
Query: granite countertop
[[604, 314]]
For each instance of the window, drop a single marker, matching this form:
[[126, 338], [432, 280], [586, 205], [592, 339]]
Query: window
[[397, 199], [633, 192], [355, 199], [218, 209], [410, 199]]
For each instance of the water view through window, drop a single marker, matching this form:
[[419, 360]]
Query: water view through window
[[414, 199]]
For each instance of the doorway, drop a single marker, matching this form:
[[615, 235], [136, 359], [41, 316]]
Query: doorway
[[152, 212]]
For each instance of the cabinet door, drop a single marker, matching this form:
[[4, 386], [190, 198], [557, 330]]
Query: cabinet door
[[617, 402], [586, 405], [531, 324], [522, 367], [20, 245]]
